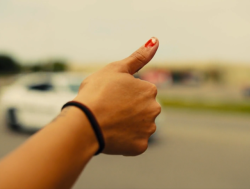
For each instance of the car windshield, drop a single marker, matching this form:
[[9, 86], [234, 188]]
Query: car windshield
[[68, 82], [74, 83], [74, 87]]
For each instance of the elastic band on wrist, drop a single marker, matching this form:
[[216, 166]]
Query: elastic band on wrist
[[92, 121]]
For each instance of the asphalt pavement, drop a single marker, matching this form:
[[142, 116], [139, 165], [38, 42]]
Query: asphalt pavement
[[191, 149]]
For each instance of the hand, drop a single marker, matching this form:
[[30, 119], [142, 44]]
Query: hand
[[124, 107]]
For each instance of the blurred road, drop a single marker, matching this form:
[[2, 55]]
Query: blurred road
[[191, 150]]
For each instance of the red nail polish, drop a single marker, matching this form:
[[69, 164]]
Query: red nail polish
[[151, 42]]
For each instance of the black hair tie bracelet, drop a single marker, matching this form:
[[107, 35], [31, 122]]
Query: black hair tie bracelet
[[92, 121]]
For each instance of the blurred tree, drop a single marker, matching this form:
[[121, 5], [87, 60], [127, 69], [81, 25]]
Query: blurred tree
[[54, 66], [59, 66], [36, 68], [8, 65]]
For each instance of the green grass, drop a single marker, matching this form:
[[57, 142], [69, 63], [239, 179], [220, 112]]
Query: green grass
[[198, 105]]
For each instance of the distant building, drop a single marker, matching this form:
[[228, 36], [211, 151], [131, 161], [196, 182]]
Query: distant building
[[159, 77]]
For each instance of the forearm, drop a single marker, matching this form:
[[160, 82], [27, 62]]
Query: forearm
[[54, 157]]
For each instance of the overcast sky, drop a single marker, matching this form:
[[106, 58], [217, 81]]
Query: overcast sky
[[108, 30]]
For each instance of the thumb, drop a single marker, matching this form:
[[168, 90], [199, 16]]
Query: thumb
[[141, 57]]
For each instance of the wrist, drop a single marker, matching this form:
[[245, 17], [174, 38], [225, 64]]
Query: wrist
[[92, 120], [77, 124]]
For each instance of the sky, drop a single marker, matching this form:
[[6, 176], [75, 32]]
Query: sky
[[109, 30]]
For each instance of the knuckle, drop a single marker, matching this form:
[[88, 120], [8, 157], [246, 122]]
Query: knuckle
[[152, 129], [138, 56], [153, 89], [142, 148], [158, 108]]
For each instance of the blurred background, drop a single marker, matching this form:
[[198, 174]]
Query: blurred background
[[202, 71]]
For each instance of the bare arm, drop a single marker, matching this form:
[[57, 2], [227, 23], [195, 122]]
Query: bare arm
[[52, 158], [125, 109]]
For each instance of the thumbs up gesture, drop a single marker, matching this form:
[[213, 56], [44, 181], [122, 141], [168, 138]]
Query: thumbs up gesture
[[125, 107]]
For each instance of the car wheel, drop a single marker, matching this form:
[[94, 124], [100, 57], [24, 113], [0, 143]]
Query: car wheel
[[12, 121]]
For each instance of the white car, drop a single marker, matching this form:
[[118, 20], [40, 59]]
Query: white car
[[35, 99]]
